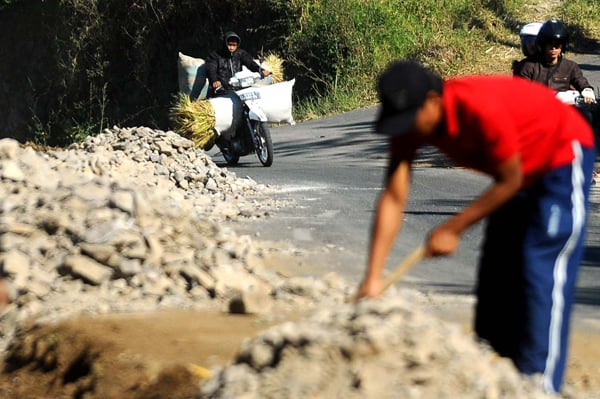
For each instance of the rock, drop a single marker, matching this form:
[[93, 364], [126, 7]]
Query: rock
[[252, 301], [15, 263], [87, 269], [8, 149], [11, 171], [377, 350]]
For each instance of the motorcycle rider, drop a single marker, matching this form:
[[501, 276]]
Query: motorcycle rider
[[528, 36], [221, 65], [550, 67]]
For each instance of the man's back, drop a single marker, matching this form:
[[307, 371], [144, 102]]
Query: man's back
[[488, 119]]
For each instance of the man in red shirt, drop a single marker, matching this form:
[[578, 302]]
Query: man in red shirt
[[540, 154]]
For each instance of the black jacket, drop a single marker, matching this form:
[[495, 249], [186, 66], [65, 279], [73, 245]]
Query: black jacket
[[222, 65], [565, 75]]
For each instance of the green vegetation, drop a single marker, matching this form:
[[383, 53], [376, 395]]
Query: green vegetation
[[357, 39], [345, 44], [6, 3], [583, 17], [106, 62]]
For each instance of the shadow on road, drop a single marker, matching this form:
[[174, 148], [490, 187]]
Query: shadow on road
[[451, 289], [588, 296], [335, 139], [589, 67], [591, 256]]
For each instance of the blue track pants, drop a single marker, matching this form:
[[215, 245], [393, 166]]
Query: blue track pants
[[528, 269]]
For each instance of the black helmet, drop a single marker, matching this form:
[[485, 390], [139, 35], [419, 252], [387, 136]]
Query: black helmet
[[553, 31], [232, 36]]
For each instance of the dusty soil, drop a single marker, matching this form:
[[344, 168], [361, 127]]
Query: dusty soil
[[167, 354], [157, 355]]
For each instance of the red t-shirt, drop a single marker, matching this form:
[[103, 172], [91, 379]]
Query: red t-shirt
[[488, 119]]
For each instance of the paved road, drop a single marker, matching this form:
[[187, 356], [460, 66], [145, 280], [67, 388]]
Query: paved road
[[333, 168]]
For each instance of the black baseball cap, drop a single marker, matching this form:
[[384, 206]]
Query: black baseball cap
[[402, 89]]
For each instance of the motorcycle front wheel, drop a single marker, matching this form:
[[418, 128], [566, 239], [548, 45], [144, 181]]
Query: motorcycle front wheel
[[264, 145]]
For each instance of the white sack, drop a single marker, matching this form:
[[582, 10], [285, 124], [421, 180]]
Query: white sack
[[192, 76], [274, 99], [228, 111]]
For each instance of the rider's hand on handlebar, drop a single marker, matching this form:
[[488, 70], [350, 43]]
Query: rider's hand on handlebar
[[588, 95], [216, 84]]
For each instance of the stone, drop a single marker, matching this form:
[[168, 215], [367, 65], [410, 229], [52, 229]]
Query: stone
[[15, 263], [10, 170], [251, 301], [8, 148], [87, 269]]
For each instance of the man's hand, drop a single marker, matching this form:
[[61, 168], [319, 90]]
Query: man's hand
[[370, 288], [442, 241], [216, 84], [508, 179], [266, 72], [588, 95]]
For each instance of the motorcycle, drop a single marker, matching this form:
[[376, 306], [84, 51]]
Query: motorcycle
[[251, 131]]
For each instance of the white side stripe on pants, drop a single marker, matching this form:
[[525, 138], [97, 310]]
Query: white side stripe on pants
[[560, 267]]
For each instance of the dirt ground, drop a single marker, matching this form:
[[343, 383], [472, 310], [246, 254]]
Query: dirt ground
[[167, 354], [155, 355]]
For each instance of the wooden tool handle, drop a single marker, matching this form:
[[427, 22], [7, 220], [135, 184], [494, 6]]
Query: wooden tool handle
[[404, 266]]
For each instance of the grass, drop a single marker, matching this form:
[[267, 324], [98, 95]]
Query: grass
[[453, 37], [583, 17]]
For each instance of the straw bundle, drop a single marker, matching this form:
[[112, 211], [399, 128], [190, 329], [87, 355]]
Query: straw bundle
[[274, 64], [195, 120]]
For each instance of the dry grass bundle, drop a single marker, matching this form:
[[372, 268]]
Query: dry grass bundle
[[194, 120], [275, 65]]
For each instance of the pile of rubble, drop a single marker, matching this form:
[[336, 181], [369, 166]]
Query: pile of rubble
[[384, 349], [132, 220]]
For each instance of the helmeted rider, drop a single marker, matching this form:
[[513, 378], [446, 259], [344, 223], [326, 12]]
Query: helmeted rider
[[528, 36], [550, 67], [221, 65]]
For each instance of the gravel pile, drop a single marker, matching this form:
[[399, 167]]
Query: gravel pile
[[133, 220], [379, 349]]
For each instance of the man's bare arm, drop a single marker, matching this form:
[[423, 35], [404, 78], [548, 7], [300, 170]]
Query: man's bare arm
[[387, 223]]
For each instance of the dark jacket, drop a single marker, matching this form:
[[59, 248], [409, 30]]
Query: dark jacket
[[566, 75], [222, 65]]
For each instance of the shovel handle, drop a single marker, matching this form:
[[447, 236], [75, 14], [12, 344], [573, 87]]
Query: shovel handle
[[404, 266]]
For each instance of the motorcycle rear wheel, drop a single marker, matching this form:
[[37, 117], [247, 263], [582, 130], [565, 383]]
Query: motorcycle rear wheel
[[264, 148]]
